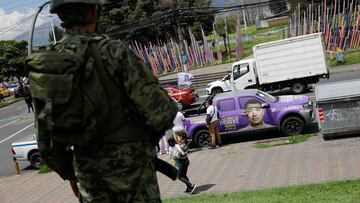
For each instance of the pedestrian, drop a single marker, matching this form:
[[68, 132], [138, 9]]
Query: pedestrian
[[184, 162], [163, 143], [2, 98], [212, 123], [178, 124], [99, 111], [28, 98]]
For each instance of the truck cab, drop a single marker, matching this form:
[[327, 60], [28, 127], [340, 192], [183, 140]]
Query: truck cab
[[243, 75]]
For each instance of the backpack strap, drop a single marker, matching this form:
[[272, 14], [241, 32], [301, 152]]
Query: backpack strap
[[100, 67]]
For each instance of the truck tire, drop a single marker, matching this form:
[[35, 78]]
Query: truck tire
[[298, 87], [36, 161], [202, 138], [216, 90], [292, 126]]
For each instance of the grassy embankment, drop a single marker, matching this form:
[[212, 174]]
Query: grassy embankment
[[339, 191], [351, 57], [9, 101]]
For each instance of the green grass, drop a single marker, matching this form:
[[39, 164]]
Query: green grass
[[351, 57], [44, 169], [339, 191], [9, 101], [291, 140], [248, 46]]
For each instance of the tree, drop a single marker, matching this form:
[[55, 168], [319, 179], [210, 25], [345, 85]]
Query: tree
[[59, 33], [277, 7], [119, 13], [12, 57], [231, 22]]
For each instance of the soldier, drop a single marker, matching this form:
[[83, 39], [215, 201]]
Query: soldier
[[99, 110]]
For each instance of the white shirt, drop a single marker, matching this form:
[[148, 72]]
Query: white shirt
[[175, 151], [178, 122], [212, 111]]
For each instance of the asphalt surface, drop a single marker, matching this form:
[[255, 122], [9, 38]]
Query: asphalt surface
[[15, 124]]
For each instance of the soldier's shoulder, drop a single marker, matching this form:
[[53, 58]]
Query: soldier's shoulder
[[113, 47]]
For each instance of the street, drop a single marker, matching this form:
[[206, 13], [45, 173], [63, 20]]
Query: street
[[16, 123]]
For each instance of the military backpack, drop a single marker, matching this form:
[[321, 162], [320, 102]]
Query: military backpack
[[73, 93]]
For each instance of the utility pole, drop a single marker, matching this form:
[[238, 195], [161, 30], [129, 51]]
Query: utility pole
[[180, 36], [243, 11]]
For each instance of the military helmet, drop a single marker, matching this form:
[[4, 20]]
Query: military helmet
[[55, 4]]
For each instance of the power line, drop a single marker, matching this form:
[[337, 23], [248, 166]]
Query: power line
[[22, 5], [190, 12], [9, 28]]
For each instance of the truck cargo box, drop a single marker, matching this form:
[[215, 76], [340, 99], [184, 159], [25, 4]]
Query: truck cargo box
[[291, 58]]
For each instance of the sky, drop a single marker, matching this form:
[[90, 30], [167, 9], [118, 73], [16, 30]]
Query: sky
[[13, 12]]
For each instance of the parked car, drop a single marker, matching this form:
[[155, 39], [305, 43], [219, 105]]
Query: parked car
[[183, 95], [13, 88], [26, 149], [18, 92], [219, 86], [5, 92], [249, 110]]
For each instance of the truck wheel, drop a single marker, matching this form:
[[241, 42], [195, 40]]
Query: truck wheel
[[216, 90], [202, 138], [36, 161], [292, 126], [298, 87]]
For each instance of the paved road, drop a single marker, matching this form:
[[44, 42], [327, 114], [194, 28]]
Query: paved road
[[16, 123]]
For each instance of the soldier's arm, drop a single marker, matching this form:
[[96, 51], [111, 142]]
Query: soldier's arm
[[143, 88], [56, 155]]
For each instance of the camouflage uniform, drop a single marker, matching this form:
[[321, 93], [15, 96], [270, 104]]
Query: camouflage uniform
[[119, 168]]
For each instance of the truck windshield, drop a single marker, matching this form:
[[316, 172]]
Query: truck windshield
[[266, 96]]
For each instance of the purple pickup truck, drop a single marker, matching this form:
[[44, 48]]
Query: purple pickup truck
[[253, 109]]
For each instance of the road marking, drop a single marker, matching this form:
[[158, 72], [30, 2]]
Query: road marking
[[16, 133], [9, 123]]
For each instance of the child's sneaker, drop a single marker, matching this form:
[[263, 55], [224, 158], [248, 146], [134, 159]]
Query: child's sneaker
[[192, 189]]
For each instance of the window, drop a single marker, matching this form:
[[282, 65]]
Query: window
[[240, 70], [227, 105]]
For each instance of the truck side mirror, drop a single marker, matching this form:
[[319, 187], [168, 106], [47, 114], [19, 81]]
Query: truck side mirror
[[265, 105]]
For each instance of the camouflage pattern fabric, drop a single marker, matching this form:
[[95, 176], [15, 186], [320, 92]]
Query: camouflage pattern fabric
[[121, 172], [120, 168]]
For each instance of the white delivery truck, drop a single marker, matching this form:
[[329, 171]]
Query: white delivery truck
[[294, 62]]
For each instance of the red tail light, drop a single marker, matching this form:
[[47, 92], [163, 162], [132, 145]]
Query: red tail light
[[321, 114], [13, 152]]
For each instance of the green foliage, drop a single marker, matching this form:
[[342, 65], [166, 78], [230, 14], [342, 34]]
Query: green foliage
[[9, 101], [231, 23], [339, 191], [44, 169], [12, 56], [291, 140], [117, 13], [59, 33], [351, 57]]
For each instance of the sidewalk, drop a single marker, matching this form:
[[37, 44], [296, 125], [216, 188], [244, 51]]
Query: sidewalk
[[234, 167], [227, 67]]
